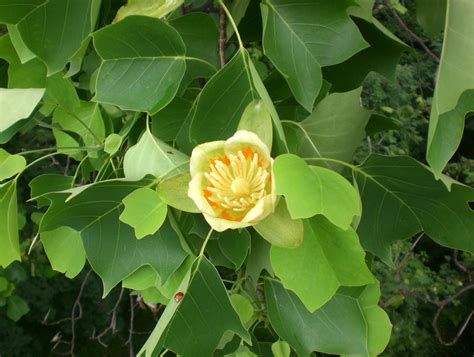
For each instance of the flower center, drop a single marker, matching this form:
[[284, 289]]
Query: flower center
[[236, 183], [240, 187]]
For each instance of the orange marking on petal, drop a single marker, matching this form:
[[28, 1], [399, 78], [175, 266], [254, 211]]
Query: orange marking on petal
[[228, 217], [248, 153]]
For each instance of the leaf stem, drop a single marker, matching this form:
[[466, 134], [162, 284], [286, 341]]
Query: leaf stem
[[229, 16], [203, 248], [72, 148]]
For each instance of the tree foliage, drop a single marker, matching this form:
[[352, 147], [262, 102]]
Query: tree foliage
[[130, 91]]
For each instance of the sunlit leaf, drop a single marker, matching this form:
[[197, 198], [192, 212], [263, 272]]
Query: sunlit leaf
[[331, 194], [17, 104], [10, 164], [9, 244], [328, 258], [144, 211], [65, 251]]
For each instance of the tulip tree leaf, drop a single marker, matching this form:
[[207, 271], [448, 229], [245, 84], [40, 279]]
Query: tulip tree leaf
[[200, 35], [17, 104], [222, 101], [351, 323], [448, 133], [328, 258], [279, 229], [195, 325], [401, 197], [9, 244], [144, 211], [153, 8], [334, 129], [65, 250], [16, 308], [174, 191], [331, 194], [10, 164], [142, 63], [152, 156], [431, 15], [235, 245], [300, 36], [56, 42], [46, 183], [111, 247], [14, 11], [454, 78], [168, 121]]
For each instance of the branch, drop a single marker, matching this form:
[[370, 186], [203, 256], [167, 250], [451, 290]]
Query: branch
[[129, 341], [76, 314], [410, 32], [222, 20], [113, 322]]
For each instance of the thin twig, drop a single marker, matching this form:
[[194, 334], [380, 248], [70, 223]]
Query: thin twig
[[222, 39], [442, 305], [74, 317], [130, 330], [113, 322], [410, 32]]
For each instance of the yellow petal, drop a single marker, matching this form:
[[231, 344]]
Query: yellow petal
[[203, 153]]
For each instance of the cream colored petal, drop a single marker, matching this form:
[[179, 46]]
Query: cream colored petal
[[203, 153], [220, 224], [195, 192], [261, 210], [242, 139]]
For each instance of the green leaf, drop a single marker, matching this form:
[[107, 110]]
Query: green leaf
[[17, 104], [328, 258], [448, 133], [56, 42], [112, 143], [431, 15], [9, 244], [299, 37], [153, 8], [382, 56], [200, 35], [43, 184], [142, 64], [351, 323], [281, 349], [14, 11], [334, 129], [195, 325], [454, 78], [258, 260], [222, 102], [243, 307], [85, 121], [331, 194], [235, 245], [65, 250], [152, 156], [111, 247], [167, 122], [279, 229], [144, 211], [237, 10], [174, 191], [379, 123], [10, 164], [242, 351], [16, 308], [401, 198], [61, 91], [31, 74], [257, 119]]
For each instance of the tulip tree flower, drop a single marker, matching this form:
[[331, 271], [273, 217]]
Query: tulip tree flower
[[232, 182]]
